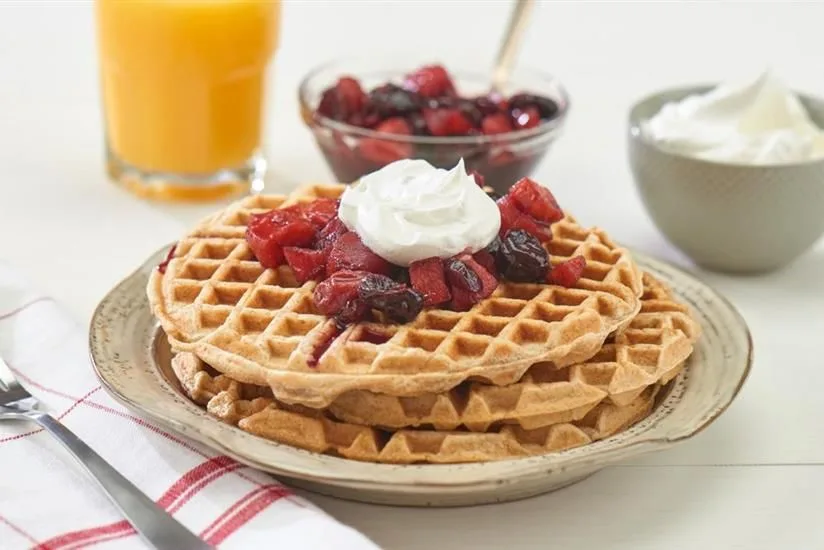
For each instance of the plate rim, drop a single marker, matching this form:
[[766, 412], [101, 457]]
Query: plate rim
[[600, 458]]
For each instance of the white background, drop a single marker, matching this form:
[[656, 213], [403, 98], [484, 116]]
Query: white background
[[753, 480]]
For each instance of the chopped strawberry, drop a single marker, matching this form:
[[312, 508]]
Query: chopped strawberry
[[349, 253], [330, 233], [430, 81], [497, 123], [351, 94], [567, 273], [269, 232], [427, 277], [384, 151], [446, 122], [305, 262], [343, 100], [462, 299], [332, 294], [487, 261], [536, 200], [513, 218], [320, 212]]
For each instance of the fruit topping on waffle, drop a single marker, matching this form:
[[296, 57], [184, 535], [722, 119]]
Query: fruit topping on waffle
[[356, 281]]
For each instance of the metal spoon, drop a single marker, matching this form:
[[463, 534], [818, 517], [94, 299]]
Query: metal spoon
[[509, 46]]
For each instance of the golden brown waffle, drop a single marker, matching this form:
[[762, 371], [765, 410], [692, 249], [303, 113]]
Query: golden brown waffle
[[253, 409], [651, 350], [258, 326]]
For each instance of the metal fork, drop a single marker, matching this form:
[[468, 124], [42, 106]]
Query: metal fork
[[159, 529]]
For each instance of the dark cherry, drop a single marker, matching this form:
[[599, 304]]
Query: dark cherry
[[352, 312], [390, 100], [459, 274], [418, 124], [521, 258], [547, 107], [397, 301], [470, 111], [495, 246], [485, 105]]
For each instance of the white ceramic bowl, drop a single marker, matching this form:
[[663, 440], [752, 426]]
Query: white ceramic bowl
[[728, 217]]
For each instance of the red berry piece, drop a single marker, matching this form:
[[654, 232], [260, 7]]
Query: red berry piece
[[307, 264], [469, 281], [567, 273], [332, 294], [430, 81], [427, 277], [458, 274], [390, 100], [320, 212], [330, 233], [497, 123], [487, 261], [342, 101], [351, 94], [382, 151], [536, 200], [446, 122], [485, 105], [462, 299], [269, 232], [486, 277], [522, 258], [398, 302], [349, 253], [526, 118], [544, 105], [513, 218]]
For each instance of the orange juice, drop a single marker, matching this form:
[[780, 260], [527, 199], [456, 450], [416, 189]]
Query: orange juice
[[183, 87]]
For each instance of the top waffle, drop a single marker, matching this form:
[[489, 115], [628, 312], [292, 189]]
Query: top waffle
[[260, 326]]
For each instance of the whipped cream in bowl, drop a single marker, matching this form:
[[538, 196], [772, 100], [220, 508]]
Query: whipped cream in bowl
[[758, 122], [409, 211]]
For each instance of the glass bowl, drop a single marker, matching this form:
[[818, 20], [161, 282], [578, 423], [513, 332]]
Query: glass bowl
[[352, 151]]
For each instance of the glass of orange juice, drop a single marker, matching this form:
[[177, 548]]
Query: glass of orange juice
[[183, 89]]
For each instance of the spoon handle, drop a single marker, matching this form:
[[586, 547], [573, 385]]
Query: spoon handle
[[511, 41]]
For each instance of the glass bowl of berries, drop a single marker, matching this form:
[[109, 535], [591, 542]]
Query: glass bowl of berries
[[367, 113]]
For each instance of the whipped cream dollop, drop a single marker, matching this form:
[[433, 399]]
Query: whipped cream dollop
[[409, 210], [757, 122]]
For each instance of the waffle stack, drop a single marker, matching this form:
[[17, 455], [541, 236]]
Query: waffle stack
[[530, 370]]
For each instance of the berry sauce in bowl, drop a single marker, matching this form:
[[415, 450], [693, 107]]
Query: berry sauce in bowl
[[367, 113]]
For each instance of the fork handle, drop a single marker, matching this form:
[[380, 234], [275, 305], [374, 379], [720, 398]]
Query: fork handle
[[155, 525]]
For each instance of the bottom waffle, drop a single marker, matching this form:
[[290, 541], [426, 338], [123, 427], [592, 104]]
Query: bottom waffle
[[253, 409]]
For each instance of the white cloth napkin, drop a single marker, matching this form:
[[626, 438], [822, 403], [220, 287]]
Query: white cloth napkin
[[47, 502]]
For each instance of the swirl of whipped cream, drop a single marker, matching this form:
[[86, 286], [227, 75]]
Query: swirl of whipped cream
[[757, 122], [409, 210]]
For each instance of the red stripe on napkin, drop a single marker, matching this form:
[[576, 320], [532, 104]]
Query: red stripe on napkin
[[241, 512], [191, 483]]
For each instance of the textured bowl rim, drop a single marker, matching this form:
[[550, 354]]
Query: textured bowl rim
[[475, 475], [552, 126], [634, 122]]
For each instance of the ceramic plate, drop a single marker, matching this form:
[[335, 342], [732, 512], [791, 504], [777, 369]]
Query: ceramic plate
[[130, 355]]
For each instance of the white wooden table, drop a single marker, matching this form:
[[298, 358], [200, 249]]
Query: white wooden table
[[753, 480]]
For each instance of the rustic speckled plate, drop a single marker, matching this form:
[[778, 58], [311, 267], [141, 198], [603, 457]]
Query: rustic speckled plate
[[131, 357]]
